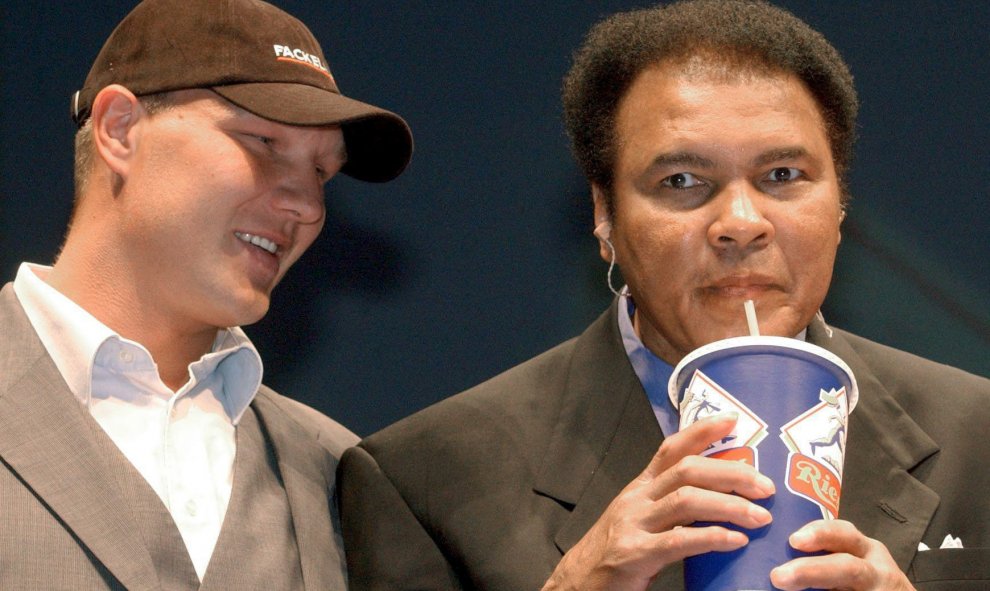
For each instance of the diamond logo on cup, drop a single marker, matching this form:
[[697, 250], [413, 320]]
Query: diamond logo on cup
[[817, 439], [703, 398], [804, 434]]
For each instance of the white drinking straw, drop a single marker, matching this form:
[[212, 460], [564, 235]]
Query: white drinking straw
[[754, 329]]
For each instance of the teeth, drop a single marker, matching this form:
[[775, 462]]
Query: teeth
[[258, 241]]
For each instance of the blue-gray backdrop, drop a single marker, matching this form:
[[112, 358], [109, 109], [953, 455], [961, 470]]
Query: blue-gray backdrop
[[481, 255]]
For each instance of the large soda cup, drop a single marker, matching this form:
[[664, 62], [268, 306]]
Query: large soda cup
[[793, 400]]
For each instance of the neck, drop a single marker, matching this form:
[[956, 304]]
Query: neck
[[174, 352], [658, 346], [103, 287]]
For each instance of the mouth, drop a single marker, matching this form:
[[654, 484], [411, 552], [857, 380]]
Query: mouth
[[749, 286], [259, 241]]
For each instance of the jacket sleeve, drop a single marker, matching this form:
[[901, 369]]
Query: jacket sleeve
[[385, 544]]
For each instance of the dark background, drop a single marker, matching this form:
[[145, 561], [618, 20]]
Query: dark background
[[481, 255]]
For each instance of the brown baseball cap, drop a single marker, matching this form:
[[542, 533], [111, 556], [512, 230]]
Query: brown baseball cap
[[256, 56]]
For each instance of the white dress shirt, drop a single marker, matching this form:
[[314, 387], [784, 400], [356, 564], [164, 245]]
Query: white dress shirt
[[181, 442]]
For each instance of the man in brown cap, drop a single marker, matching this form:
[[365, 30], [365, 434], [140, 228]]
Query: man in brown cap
[[139, 448]]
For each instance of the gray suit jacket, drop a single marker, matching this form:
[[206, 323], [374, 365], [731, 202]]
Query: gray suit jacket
[[488, 489], [61, 523]]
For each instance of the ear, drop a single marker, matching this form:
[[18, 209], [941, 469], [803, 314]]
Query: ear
[[603, 222], [116, 112]]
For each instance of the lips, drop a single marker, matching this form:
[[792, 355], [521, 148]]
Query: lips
[[743, 286], [259, 241]]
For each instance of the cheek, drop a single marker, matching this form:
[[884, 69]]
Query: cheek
[[661, 247], [177, 175], [810, 245]]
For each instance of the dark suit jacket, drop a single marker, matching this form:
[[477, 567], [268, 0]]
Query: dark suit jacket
[[61, 524], [488, 489]]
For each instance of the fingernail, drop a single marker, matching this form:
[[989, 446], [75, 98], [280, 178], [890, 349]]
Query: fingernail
[[799, 538], [782, 576], [759, 514], [737, 539], [765, 485]]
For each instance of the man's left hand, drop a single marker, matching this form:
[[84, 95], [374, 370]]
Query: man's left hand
[[855, 562]]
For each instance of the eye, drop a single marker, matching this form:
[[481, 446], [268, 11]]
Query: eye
[[682, 180], [783, 174], [255, 139]]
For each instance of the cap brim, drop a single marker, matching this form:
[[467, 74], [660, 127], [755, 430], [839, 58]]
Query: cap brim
[[379, 143]]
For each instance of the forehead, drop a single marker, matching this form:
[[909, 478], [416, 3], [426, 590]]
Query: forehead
[[695, 100], [205, 102]]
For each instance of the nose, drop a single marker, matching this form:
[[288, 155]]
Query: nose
[[300, 193], [739, 222]]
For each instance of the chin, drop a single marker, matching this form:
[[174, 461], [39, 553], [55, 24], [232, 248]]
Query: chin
[[248, 313], [784, 324], [727, 332], [254, 315]]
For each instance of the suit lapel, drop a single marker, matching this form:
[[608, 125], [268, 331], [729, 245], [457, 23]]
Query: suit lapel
[[879, 494], [606, 432], [47, 439], [307, 474]]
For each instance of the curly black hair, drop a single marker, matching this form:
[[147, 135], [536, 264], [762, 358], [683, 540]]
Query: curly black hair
[[746, 35]]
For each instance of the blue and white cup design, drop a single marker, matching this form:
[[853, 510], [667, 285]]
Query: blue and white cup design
[[799, 392]]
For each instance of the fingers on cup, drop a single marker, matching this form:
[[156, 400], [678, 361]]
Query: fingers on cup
[[692, 440], [713, 474], [688, 505], [679, 543], [823, 572], [836, 535]]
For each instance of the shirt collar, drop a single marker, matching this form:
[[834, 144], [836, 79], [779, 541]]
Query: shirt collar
[[75, 339], [236, 359], [653, 372]]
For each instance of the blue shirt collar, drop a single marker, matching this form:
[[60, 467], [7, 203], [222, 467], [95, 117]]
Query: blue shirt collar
[[653, 372]]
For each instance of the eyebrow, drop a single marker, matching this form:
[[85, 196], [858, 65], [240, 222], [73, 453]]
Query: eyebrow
[[681, 159], [778, 154]]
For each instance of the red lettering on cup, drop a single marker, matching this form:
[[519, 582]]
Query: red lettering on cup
[[814, 481]]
